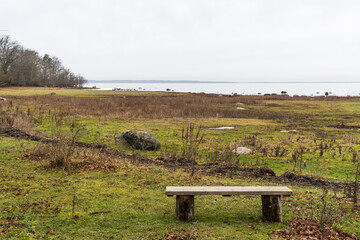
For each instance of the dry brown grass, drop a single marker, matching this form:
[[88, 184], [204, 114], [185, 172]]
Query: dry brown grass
[[154, 107], [17, 119], [80, 158]]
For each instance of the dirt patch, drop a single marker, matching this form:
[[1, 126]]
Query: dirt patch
[[176, 161], [93, 166], [343, 126], [16, 133]]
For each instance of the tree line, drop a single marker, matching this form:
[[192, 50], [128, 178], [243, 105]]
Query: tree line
[[20, 66]]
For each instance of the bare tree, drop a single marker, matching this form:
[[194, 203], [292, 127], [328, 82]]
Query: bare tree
[[24, 67], [8, 49], [25, 70]]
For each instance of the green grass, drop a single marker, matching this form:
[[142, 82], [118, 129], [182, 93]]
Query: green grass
[[38, 203], [168, 131], [43, 202]]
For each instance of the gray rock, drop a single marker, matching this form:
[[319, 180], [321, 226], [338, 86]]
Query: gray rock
[[2, 99], [120, 140], [242, 150], [138, 140], [53, 93]]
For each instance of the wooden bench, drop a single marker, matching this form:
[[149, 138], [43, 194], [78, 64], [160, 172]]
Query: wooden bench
[[270, 196]]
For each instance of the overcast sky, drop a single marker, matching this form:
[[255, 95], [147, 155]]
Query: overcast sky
[[230, 40]]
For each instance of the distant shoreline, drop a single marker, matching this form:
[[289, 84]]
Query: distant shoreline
[[319, 88], [225, 82], [154, 81]]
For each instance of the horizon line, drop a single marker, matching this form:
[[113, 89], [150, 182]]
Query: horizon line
[[215, 81]]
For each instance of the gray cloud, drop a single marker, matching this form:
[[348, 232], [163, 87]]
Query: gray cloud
[[199, 40]]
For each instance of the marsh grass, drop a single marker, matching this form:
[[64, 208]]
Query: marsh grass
[[38, 202], [151, 107]]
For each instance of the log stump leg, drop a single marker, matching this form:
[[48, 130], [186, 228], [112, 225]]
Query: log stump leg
[[184, 207], [271, 208]]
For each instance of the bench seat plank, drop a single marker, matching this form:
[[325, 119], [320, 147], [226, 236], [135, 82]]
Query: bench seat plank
[[227, 190]]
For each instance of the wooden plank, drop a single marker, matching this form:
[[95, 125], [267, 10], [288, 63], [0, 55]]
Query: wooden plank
[[227, 190]]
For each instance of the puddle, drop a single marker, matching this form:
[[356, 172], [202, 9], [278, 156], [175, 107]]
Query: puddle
[[220, 128], [289, 131]]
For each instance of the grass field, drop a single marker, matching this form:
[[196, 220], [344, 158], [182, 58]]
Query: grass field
[[37, 201]]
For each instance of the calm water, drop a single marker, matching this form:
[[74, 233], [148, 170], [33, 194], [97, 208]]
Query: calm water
[[299, 88]]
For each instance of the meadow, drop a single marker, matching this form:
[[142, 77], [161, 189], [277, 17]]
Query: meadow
[[119, 194]]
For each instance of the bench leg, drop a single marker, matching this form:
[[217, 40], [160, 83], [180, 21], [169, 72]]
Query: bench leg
[[184, 207], [271, 208]]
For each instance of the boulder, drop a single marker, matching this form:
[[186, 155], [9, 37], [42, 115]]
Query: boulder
[[138, 140], [242, 150], [120, 140], [2, 99], [53, 93]]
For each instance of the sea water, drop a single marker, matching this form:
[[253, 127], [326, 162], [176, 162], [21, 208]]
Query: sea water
[[242, 88]]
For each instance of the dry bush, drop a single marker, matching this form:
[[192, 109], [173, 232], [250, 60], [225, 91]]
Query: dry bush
[[316, 220], [17, 119], [224, 155], [57, 155], [80, 159], [66, 155], [191, 140], [61, 151]]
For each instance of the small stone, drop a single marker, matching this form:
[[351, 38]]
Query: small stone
[[242, 150]]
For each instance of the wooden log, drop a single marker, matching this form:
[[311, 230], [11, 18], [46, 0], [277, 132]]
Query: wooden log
[[271, 208], [184, 207]]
